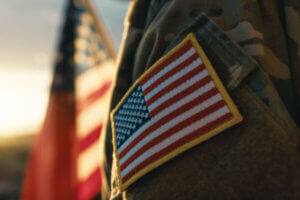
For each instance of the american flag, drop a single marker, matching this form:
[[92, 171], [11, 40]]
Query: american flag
[[65, 162], [94, 70], [94, 75], [177, 101]]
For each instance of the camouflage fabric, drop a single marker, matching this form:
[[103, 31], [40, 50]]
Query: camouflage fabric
[[254, 47]]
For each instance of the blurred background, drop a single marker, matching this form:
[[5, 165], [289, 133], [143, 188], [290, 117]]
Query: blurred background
[[29, 35]]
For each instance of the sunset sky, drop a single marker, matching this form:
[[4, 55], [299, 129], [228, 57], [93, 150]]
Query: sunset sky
[[29, 35]]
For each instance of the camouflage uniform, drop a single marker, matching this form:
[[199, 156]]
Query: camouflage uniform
[[254, 47]]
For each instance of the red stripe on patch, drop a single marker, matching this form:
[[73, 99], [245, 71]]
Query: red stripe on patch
[[177, 144], [173, 130], [173, 71], [181, 95], [176, 83], [168, 61], [169, 117]]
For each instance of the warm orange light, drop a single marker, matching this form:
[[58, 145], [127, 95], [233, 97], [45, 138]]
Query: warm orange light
[[23, 99]]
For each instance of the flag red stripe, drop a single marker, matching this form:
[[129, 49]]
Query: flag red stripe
[[92, 137], [176, 83], [94, 96], [169, 117], [178, 143], [171, 72], [51, 171], [88, 188], [173, 130], [180, 95], [168, 61]]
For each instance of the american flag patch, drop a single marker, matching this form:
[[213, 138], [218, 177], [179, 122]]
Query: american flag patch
[[176, 104]]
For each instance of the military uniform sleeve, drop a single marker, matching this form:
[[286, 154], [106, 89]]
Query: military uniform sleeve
[[245, 41], [134, 26], [291, 10]]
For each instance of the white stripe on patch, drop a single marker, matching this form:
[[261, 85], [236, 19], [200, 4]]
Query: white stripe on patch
[[170, 109], [178, 61], [173, 78], [179, 89], [192, 111], [182, 133]]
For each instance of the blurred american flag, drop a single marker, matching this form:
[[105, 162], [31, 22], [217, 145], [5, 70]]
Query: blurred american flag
[[65, 161]]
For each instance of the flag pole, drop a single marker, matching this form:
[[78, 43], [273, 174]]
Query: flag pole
[[102, 30]]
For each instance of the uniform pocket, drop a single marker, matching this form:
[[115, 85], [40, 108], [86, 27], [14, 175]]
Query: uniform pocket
[[229, 60], [257, 158], [233, 65]]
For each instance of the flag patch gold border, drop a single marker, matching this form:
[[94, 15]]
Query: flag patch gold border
[[237, 117]]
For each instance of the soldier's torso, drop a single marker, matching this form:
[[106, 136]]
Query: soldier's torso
[[253, 47]]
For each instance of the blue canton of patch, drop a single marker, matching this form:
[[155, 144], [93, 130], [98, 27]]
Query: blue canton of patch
[[131, 115]]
